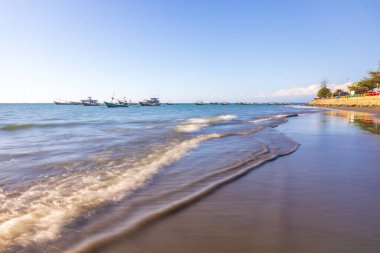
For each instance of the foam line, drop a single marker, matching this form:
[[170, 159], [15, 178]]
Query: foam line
[[103, 239]]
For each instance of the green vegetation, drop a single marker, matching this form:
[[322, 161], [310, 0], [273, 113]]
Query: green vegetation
[[324, 91], [339, 92], [368, 84]]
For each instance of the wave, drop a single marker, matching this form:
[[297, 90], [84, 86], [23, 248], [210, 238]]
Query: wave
[[134, 217], [279, 116], [195, 124], [39, 213], [226, 175], [14, 127]]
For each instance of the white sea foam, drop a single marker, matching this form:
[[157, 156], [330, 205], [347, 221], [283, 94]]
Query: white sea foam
[[195, 124], [39, 213], [269, 118], [227, 117]]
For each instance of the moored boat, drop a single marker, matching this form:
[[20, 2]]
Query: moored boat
[[117, 103], [200, 102], [111, 105], [61, 102], [90, 102], [151, 102], [244, 103]]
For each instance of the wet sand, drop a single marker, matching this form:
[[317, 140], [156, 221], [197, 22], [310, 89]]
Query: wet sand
[[322, 198]]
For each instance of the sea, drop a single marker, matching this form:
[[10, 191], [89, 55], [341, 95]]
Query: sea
[[74, 177]]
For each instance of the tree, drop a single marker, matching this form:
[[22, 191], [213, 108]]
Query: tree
[[367, 84], [375, 77], [362, 90], [353, 87], [324, 91], [338, 92]]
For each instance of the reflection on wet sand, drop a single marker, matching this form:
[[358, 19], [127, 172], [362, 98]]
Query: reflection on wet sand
[[322, 198], [366, 121]]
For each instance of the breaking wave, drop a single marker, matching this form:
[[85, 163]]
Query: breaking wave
[[279, 116], [194, 191], [195, 124], [39, 213]]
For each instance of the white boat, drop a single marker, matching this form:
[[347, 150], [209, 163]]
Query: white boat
[[90, 102], [151, 102], [64, 102]]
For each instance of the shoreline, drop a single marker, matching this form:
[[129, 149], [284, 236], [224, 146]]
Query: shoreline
[[372, 110], [315, 200]]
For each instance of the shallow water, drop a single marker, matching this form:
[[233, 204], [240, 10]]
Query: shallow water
[[322, 198], [365, 121], [86, 175]]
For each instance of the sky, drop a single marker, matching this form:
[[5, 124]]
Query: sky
[[183, 51]]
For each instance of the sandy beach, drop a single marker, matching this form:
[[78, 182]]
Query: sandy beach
[[322, 198], [372, 110]]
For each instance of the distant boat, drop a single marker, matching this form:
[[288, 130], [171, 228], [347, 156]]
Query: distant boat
[[224, 103], [117, 103], [244, 103], [111, 105], [214, 103], [90, 102], [169, 103], [60, 102], [200, 102], [151, 102]]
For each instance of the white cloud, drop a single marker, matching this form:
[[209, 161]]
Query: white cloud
[[297, 91], [306, 91], [343, 86]]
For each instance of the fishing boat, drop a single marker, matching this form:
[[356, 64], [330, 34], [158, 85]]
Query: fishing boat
[[62, 102], [200, 102], [90, 102], [151, 102], [244, 103], [116, 103], [224, 103], [112, 105]]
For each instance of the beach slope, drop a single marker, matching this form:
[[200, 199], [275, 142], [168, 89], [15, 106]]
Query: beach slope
[[322, 198]]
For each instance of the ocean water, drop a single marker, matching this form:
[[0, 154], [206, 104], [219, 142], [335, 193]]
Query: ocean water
[[73, 177]]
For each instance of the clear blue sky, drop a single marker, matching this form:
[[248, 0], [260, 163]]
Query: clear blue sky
[[181, 50]]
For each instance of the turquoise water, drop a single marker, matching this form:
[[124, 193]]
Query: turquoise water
[[104, 171]]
